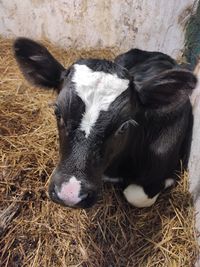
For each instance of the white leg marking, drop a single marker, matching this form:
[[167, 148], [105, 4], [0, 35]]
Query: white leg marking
[[169, 182], [105, 178], [98, 90], [70, 191], [136, 196]]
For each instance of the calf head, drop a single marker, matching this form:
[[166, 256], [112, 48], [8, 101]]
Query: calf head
[[96, 108]]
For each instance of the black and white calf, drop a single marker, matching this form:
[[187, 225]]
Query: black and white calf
[[130, 119]]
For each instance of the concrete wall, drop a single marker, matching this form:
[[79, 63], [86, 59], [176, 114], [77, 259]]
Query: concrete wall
[[151, 25], [194, 161]]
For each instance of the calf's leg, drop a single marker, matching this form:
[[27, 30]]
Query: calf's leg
[[141, 196]]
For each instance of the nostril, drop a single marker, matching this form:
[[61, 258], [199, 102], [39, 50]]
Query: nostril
[[88, 199], [84, 196], [87, 195], [53, 195]]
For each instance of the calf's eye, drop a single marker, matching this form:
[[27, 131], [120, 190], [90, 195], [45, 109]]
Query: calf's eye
[[122, 129], [57, 113], [60, 121]]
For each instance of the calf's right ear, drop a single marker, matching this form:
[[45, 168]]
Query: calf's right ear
[[170, 86], [37, 64]]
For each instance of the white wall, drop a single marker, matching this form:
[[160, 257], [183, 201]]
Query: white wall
[[194, 161], [151, 25]]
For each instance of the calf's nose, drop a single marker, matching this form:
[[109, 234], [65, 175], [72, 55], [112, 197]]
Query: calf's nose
[[68, 193], [72, 194]]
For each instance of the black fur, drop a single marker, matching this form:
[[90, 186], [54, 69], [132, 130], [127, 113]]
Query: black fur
[[141, 138], [136, 57], [37, 64]]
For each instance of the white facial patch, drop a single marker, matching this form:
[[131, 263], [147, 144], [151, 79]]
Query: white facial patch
[[98, 90], [136, 196], [70, 192]]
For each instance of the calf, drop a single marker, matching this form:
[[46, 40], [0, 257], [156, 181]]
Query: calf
[[128, 120]]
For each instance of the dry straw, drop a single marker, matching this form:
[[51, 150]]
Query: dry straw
[[35, 232]]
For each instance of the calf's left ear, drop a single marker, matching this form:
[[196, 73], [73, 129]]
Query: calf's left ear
[[168, 87], [37, 64]]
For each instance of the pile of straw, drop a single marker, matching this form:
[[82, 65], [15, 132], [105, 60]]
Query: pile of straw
[[36, 232]]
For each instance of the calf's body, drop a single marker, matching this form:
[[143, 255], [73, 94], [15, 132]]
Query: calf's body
[[129, 120]]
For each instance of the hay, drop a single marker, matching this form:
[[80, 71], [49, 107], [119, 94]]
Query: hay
[[36, 232]]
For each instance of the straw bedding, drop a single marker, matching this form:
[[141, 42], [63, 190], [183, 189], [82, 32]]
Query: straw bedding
[[36, 232]]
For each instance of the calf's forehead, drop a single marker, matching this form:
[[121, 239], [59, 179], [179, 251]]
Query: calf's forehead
[[97, 90]]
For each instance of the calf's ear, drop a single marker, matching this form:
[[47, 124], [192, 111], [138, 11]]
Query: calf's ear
[[37, 64], [168, 87]]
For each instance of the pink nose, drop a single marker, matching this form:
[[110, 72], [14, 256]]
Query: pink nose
[[74, 193], [69, 192]]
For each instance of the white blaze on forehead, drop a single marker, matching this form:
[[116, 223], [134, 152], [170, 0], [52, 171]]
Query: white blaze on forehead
[[98, 90], [136, 196], [70, 191]]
